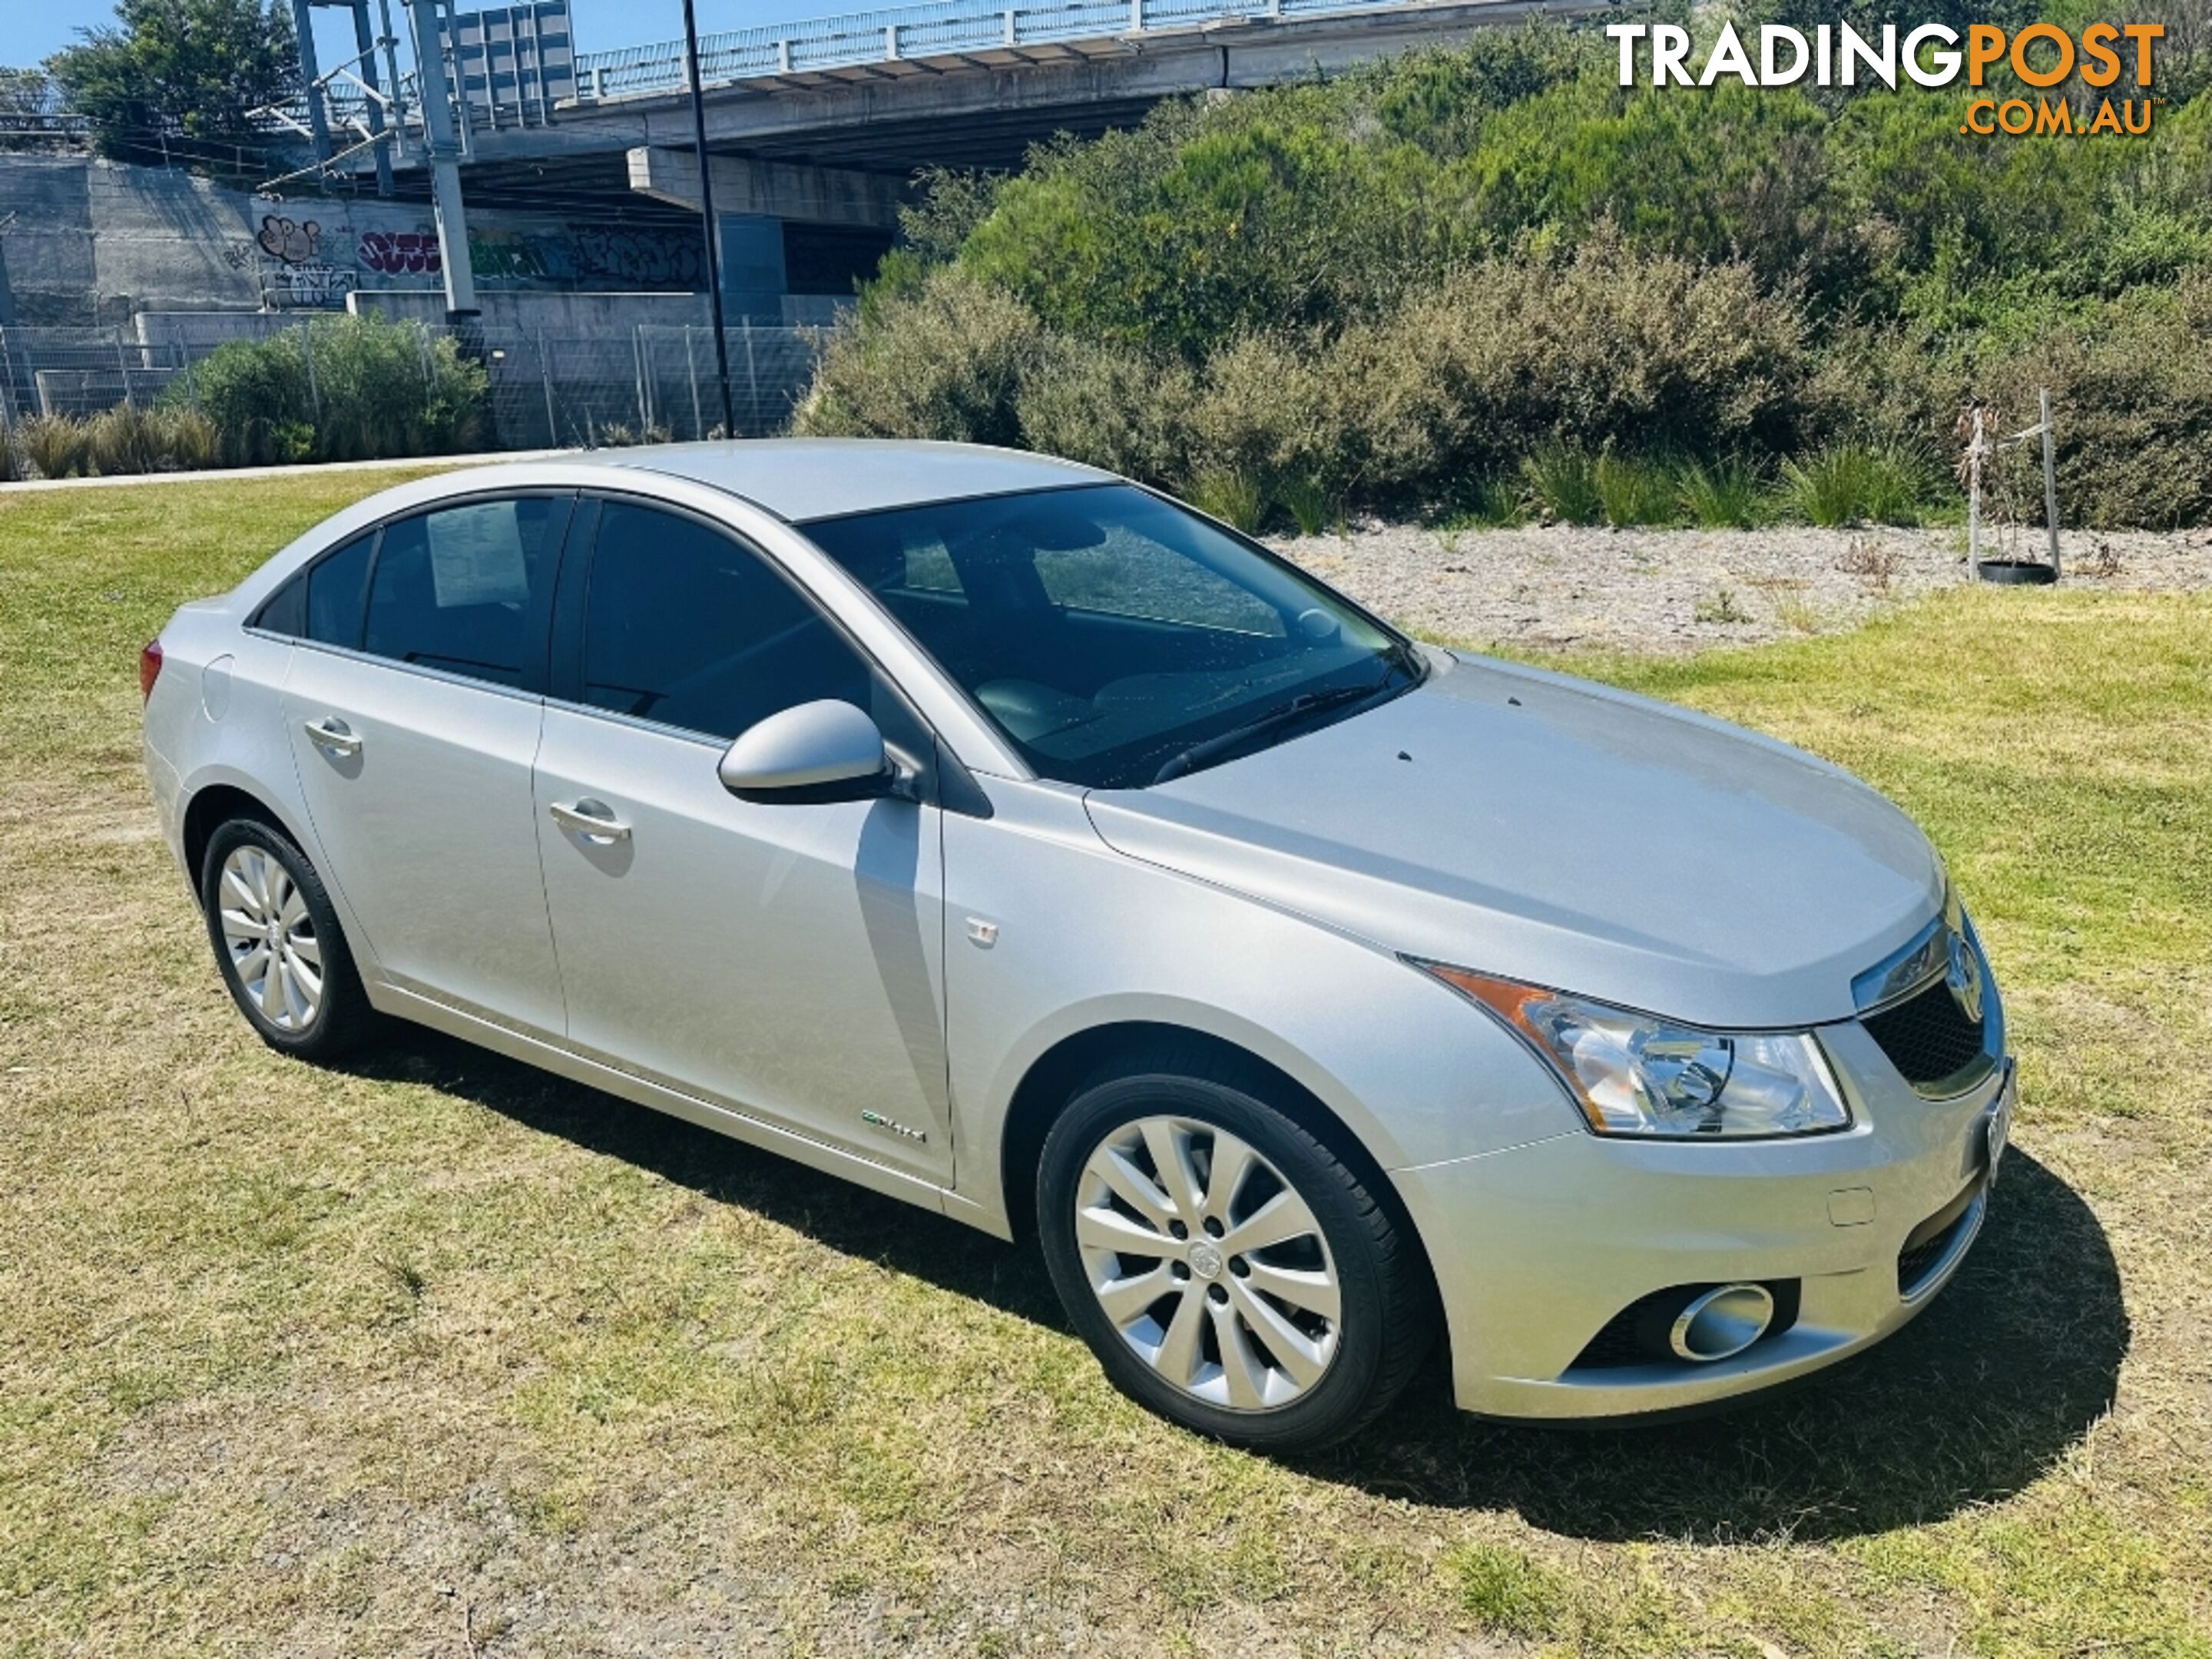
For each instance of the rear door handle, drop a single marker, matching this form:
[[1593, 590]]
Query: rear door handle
[[334, 734], [594, 819]]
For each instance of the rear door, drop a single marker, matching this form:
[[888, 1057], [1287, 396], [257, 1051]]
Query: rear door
[[785, 960], [413, 708]]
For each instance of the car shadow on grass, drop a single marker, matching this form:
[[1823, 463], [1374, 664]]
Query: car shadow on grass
[[2007, 1369]]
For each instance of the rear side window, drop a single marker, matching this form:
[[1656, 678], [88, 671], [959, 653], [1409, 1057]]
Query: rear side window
[[466, 588], [323, 602], [336, 586], [685, 627]]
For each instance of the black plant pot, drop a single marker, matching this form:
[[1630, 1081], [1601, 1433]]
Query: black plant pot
[[2016, 573]]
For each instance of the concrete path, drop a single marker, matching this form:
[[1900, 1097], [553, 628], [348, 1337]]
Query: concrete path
[[213, 473]]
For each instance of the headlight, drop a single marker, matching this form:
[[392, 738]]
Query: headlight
[[1633, 1074]]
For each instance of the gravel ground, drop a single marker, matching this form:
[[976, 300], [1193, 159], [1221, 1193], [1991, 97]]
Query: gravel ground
[[1559, 587]]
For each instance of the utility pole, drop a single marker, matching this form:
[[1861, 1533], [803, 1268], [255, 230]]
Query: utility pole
[[445, 172], [303, 25], [364, 41], [707, 214]]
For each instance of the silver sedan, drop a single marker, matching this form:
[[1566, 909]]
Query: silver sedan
[[995, 833]]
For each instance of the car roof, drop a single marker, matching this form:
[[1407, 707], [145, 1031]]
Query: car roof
[[802, 478]]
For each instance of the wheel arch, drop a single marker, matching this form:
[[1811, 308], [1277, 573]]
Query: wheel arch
[[215, 804], [1128, 1047]]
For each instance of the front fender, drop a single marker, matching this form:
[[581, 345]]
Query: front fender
[[1087, 937]]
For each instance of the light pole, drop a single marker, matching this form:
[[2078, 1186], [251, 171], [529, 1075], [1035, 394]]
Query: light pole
[[707, 215]]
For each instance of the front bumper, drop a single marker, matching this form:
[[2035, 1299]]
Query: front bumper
[[1536, 1248]]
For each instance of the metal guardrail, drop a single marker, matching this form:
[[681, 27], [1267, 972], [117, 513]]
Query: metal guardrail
[[946, 29], [855, 39]]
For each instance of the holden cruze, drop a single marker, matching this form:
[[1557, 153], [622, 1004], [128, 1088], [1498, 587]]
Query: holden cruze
[[997, 834]]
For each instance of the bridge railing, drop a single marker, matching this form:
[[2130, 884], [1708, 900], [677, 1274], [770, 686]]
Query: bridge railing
[[917, 31]]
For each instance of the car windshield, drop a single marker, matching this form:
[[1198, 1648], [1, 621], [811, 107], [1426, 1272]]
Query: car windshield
[[1114, 638]]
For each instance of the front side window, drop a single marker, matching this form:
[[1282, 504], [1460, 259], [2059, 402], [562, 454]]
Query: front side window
[[685, 627], [466, 588], [1116, 639]]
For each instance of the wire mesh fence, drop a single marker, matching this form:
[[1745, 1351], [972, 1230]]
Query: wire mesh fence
[[649, 383]]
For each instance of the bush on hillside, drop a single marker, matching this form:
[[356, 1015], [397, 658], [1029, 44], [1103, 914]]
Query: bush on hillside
[[1390, 289], [340, 389], [2131, 394]]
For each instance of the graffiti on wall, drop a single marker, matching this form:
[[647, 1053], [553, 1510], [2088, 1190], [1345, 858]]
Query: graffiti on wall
[[289, 242], [591, 256], [311, 287], [403, 252]]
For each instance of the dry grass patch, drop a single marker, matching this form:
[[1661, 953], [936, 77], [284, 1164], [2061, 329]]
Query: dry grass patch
[[436, 1354]]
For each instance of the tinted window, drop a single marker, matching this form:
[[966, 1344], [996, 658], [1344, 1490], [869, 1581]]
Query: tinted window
[[286, 609], [466, 588], [688, 628], [336, 586], [1115, 638]]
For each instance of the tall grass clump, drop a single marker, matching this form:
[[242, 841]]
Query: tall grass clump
[[1636, 491], [1725, 495], [55, 445], [1851, 483], [1562, 478], [123, 440], [1310, 503], [1232, 494]]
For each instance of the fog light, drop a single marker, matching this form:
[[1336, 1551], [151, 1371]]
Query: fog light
[[1721, 1322]]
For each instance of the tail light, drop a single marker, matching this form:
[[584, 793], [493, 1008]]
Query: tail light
[[150, 668]]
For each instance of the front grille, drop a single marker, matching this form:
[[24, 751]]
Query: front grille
[[1931, 1041], [1631, 1336], [1931, 1241]]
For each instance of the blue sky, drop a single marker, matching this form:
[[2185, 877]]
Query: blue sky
[[29, 30]]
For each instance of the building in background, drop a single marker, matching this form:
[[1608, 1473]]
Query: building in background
[[513, 62]]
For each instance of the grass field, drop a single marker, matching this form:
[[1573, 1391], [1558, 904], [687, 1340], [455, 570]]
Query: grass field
[[439, 1355]]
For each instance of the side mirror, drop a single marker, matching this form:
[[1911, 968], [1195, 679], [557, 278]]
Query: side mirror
[[818, 751]]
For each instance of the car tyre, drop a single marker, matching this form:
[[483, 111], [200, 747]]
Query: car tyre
[[1281, 1347], [278, 943]]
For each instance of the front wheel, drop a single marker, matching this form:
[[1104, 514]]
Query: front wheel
[[1230, 1271]]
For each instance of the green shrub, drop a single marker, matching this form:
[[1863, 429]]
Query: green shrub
[[947, 362], [1563, 479], [1636, 491], [1127, 410], [57, 445], [1234, 497], [350, 388], [1851, 483], [2131, 409], [1725, 494]]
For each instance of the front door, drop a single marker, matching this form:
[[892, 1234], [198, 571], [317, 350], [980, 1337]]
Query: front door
[[414, 725], [783, 960]]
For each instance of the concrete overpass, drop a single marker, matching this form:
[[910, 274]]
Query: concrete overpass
[[815, 127]]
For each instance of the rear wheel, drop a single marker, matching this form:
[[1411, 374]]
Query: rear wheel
[[278, 942], [1230, 1271]]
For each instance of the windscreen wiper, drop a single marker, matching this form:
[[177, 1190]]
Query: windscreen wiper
[[1305, 703]]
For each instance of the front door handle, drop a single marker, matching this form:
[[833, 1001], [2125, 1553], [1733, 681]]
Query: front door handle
[[592, 818], [334, 734]]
